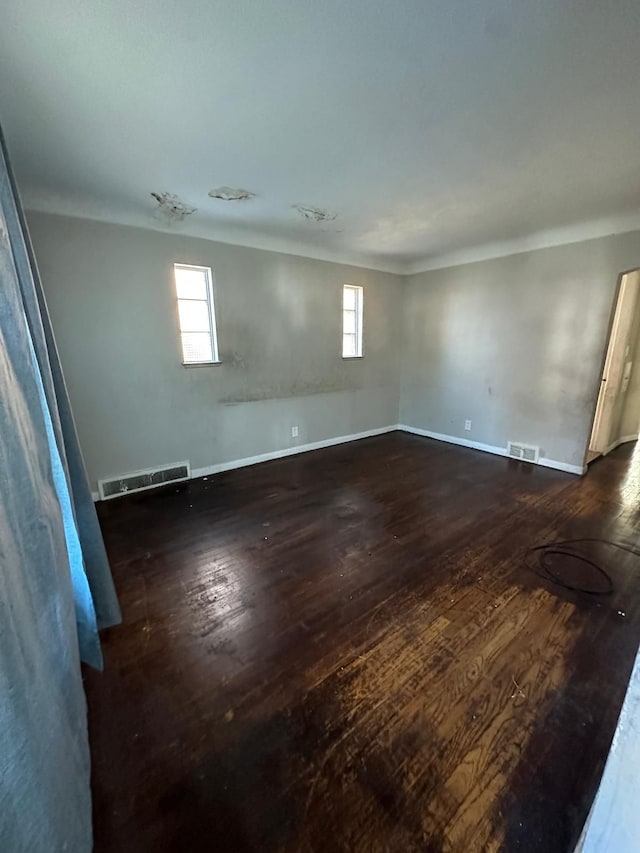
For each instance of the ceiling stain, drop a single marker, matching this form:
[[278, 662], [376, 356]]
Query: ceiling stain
[[315, 214], [230, 194], [171, 207]]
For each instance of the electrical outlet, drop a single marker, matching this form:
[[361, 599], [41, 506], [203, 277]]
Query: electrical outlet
[[294, 432], [467, 425]]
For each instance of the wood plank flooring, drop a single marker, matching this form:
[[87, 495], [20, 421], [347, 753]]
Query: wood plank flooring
[[343, 651]]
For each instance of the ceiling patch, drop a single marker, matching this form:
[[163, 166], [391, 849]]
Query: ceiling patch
[[315, 214], [229, 194], [171, 207]]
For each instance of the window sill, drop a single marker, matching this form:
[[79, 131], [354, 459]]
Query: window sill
[[200, 363], [351, 357]]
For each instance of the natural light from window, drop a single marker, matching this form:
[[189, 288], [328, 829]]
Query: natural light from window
[[196, 314], [351, 321]]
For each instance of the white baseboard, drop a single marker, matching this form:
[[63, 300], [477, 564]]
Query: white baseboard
[[562, 466], [490, 448], [219, 467], [620, 441], [452, 439], [288, 451]]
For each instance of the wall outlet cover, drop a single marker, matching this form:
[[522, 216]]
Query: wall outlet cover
[[294, 432], [467, 424]]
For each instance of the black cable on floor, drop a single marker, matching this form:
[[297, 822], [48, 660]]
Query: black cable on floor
[[543, 555]]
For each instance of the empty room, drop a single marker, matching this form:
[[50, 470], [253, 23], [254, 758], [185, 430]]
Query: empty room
[[319, 418]]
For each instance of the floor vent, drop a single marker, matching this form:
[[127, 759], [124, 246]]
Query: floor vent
[[524, 452], [138, 481]]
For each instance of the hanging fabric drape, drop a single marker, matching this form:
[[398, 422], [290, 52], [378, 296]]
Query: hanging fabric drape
[[55, 582], [96, 607]]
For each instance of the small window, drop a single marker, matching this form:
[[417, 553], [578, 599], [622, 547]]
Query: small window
[[351, 321], [196, 314]]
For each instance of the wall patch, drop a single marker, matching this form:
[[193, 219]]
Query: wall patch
[[315, 214], [171, 207], [229, 194]]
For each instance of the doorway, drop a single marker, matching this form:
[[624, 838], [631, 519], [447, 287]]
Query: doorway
[[617, 414]]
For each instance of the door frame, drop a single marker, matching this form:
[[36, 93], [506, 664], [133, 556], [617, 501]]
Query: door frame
[[600, 389]]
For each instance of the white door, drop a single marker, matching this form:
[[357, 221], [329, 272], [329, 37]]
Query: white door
[[614, 365]]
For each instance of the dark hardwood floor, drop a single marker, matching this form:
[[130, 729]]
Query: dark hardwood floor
[[343, 651]]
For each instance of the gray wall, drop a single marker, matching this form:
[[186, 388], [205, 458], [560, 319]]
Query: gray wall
[[112, 301], [515, 344]]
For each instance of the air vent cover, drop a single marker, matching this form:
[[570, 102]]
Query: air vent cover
[[524, 452], [138, 481]]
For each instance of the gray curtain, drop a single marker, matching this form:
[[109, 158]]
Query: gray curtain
[[55, 582]]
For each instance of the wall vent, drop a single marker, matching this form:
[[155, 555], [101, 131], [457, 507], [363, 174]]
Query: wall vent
[[139, 481], [524, 452]]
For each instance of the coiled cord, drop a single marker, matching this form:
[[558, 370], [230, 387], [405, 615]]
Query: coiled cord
[[539, 560]]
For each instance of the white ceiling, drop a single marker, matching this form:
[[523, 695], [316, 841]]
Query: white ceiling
[[438, 130]]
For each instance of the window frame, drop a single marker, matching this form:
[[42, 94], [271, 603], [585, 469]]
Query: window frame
[[211, 312], [359, 312]]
